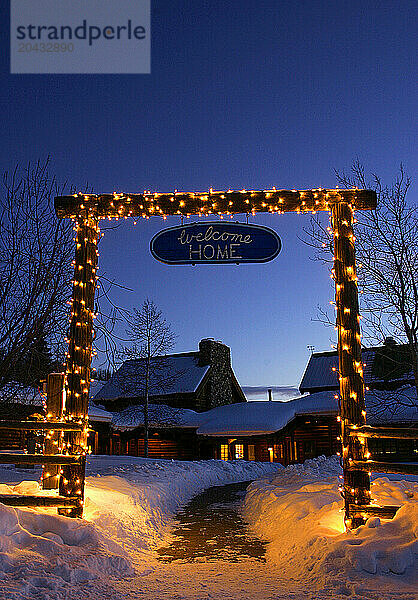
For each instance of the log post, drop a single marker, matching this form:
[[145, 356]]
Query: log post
[[54, 411], [79, 355], [356, 481]]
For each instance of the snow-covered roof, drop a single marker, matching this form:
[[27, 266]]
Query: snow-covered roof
[[319, 373], [159, 415], [245, 418], [17, 392], [97, 413], [172, 374], [256, 418], [95, 387], [31, 396], [397, 406]]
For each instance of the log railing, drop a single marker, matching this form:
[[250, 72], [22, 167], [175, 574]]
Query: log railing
[[53, 460], [49, 462], [393, 433], [364, 511]]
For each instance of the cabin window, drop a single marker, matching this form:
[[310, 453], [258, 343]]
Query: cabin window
[[276, 454], [224, 451], [251, 452], [309, 448], [392, 449], [280, 452], [239, 451]]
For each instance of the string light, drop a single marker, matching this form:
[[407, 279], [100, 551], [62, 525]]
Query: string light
[[120, 205]]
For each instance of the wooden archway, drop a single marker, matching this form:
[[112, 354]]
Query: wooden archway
[[87, 210]]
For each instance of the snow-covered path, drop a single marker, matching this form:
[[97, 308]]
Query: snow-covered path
[[246, 580], [211, 528], [202, 570]]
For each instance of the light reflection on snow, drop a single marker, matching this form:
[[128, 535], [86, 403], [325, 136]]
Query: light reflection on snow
[[333, 520]]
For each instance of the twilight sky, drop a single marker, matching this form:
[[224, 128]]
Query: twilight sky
[[242, 94]]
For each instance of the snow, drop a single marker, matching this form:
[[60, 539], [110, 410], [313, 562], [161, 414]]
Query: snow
[[21, 394], [129, 508], [246, 418], [159, 415], [252, 418], [397, 406], [298, 510], [33, 397], [173, 374], [97, 413]]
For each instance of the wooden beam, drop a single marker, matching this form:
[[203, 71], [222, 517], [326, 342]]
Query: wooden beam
[[384, 467], [41, 426], [393, 433], [356, 482], [39, 459], [209, 203], [15, 500], [384, 512]]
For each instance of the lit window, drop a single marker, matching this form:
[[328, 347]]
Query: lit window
[[224, 451], [239, 450], [251, 452]]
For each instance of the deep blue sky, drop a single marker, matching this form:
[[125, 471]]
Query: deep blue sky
[[242, 94]]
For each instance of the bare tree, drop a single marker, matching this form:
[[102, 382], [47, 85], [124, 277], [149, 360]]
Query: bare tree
[[151, 338], [387, 259], [35, 265]]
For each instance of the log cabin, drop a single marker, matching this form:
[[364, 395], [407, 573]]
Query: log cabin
[[285, 432], [197, 380]]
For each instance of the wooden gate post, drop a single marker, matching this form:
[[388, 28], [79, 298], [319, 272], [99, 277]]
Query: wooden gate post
[[79, 354], [54, 410], [356, 482]]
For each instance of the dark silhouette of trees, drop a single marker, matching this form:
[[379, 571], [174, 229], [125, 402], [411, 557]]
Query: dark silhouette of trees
[[36, 364], [35, 271]]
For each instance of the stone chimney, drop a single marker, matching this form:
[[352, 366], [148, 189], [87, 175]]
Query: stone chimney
[[218, 356]]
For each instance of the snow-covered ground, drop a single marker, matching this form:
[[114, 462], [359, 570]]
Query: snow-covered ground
[[130, 503], [299, 511], [129, 506]]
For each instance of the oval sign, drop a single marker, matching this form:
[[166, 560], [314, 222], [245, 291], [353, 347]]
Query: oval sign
[[215, 243]]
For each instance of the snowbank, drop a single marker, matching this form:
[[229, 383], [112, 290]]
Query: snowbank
[[129, 507], [133, 500], [299, 510], [43, 554]]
